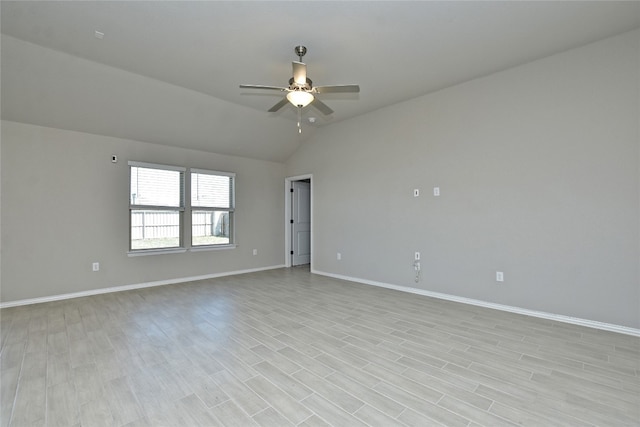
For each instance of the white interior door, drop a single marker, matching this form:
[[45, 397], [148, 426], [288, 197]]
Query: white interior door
[[301, 223]]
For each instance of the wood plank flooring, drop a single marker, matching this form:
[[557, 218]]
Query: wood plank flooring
[[288, 348]]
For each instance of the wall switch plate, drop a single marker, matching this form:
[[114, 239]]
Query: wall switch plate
[[95, 266], [416, 192], [416, 256], [255, 252], [338, 256], [436, 191], [499, 276]]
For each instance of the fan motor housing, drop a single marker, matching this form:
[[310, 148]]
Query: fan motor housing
[[295, 86]]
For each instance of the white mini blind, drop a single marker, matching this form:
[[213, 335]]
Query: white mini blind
[[212, 190], [156, 187]]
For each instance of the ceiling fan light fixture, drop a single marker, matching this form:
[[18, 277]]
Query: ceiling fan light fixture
[[300, 98], [301, 91]]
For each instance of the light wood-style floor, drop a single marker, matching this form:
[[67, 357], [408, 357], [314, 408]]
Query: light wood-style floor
[[285, 347]]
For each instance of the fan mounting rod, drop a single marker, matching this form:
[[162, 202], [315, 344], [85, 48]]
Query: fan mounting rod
[[300, 51]]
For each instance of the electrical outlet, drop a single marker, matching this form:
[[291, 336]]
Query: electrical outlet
[[339, 256], [436, 191], [255, 252], [95, 266], [499, 276]]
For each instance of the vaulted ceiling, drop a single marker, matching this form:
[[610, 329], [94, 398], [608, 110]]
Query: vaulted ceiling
[[168, 72]]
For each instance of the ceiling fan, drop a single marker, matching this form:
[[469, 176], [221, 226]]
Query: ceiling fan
[[301, 91]]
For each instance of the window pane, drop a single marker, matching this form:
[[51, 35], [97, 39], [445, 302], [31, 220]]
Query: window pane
[[155, 229], [155, 187], [210, 228], [213, 191]]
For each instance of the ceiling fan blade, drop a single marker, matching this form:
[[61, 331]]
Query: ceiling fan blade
[[337, 89], [284, 101], [324, 108], [262, 87], [299, 72]]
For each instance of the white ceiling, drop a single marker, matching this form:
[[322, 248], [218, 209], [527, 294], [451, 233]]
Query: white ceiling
[[197, 53]]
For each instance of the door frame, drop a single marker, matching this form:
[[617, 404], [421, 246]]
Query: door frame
[[288, 182]]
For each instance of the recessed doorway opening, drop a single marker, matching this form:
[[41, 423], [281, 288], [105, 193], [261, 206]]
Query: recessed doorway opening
[[298, 217]]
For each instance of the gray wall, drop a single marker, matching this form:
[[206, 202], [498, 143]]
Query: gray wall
[[65, 205], [538, 168]]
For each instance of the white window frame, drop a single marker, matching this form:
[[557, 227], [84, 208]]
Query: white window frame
[[179, 209], [230, 209], [185, 211]]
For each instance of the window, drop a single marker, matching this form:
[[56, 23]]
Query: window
[[157, 208], [212, 204]]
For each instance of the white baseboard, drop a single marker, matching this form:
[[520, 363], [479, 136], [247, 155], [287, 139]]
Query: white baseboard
[[130, 287], [540, 314]]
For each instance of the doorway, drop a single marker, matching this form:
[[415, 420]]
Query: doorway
[[298, 228]]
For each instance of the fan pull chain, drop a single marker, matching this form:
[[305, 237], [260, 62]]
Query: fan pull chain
[[299, 120]]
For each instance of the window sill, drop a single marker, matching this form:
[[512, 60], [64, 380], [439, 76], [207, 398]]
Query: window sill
[[212, 248], [144, 252]]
